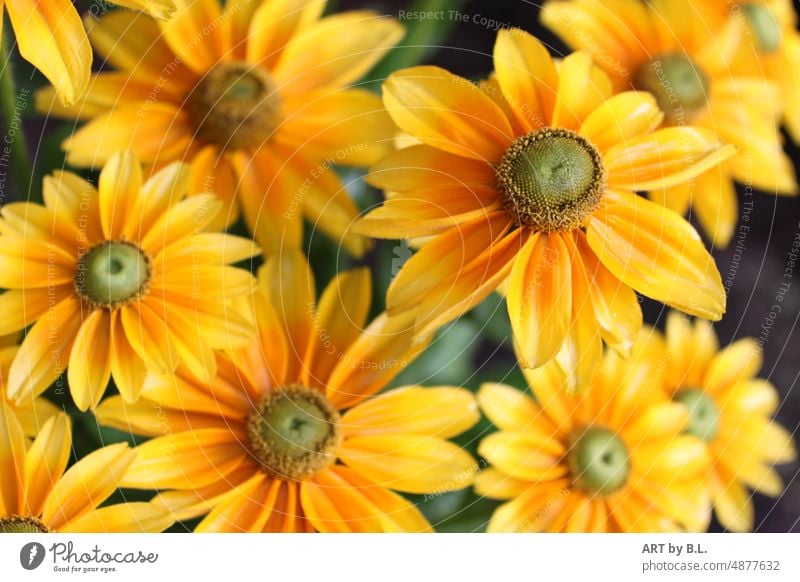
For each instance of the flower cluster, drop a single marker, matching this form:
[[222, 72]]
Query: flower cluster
[[175, 299]]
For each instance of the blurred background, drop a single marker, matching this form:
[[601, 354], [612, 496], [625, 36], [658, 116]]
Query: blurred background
[[477, 348]]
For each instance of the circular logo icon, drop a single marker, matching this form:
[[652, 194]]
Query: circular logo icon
[[31, 555]]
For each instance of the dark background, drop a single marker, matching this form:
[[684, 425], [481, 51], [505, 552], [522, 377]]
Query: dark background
[[476, 348]]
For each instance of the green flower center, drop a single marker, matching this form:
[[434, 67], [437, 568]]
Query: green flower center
[[551, 180], [703, 413], [112, 273], [764, 26], [234, 106], [678, 84], [19, 524], [599, 461], [294, 432]]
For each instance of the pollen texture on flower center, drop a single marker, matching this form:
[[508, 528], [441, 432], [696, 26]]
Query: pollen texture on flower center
[[294, 432], [112, 273], [551, 180], [599, 461], [20, 524], [234, 106], [679, 85]]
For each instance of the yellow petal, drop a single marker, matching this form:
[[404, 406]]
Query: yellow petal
[[185, 460], [494, 484], [540, 298], [527, 77], [656, 252], [442, 412], [194, 34], [525, 455], [620, 118], [409, 463], [582, 88], [533, 511], [336, 51], [90, 360], [137, 517], [51, 37], [86, 484], [183, 219], [447, 112], [247, 509], [716, 205], [508, 408], [269, 26], [341, 500], [12, 462], [664, 158], [119, 185]]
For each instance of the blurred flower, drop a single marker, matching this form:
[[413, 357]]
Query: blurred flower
[[612, 459], [39, 496], [667, 47], [117, 279], [730, 410], [255, 97], [532, 177], [50, 36], [770, 47], [34, 413], [289, 436]]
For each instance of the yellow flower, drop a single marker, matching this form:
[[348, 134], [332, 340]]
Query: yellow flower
[[770, 48], [612, 459], [730, 410], [289, 436], [117, 278], [256, 97], [531, 178], [666, 47], [32, 414], [50, 36], [39, 496]]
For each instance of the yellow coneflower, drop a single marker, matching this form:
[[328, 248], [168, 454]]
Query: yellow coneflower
[[671, 49], [39, 493], [34, 413], [730, 410], [290, 435], [531, 178], [117, 279], [613, 459], [257, 98], [50, 36]]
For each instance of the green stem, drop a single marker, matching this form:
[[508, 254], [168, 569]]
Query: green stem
[[423, 37], [8, 103]]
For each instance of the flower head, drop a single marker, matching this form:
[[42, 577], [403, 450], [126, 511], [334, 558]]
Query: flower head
[[614, 459], [730, 409], [664, 47], [530, 178], [290, 435], [117, 279], [255, 97], [40, 494]]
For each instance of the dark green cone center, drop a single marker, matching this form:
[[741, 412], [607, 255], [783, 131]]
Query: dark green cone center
[[599, 461], [294, 432], [112, 273], [703, 413], [678, 84], [551, 180], [764, 27], [19, 524]]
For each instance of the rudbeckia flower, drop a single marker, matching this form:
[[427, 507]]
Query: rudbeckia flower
[[290, 436], [51, 36], [257, 98], [730, 410], [32, 414], [117, 279], [532, 178], [671, 49], [613, 459], [39, 496], [770, 47]]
